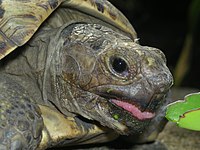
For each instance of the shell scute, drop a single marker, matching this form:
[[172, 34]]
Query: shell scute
[[19, 20]]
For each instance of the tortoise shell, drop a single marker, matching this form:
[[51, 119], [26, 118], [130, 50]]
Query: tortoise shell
[[19, 20]]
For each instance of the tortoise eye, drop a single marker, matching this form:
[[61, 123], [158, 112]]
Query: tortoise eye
[[119, 65]]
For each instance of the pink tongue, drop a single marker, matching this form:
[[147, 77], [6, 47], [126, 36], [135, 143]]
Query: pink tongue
[[133, 110]]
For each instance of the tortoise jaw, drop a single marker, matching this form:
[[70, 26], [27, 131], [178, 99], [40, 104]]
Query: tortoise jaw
[[128, 104]]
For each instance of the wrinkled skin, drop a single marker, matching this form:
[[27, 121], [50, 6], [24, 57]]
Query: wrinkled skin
[[86, 70], [105, 65]]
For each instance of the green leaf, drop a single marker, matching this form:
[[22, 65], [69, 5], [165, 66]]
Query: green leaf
[[116, 116], [186, 113], [190, 120]]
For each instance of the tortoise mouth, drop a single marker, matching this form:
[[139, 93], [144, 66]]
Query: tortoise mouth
[[129, 104], [133, 110]]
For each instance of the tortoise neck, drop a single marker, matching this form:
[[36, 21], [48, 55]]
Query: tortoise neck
[[48, 63], [30, 65]]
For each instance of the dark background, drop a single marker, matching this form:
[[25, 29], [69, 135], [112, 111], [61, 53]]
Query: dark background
[[165, 25]]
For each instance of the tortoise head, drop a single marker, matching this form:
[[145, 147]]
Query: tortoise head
[[112, 79]]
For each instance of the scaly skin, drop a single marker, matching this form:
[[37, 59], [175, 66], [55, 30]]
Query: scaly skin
[[21, 123], [71, 70]]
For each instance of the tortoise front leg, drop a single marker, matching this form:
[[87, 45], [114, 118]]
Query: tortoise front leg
[[21, 123]]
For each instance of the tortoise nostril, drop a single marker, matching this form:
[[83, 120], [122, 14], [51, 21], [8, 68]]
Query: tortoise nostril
[[156, 72], [160, 54], [163, 82]]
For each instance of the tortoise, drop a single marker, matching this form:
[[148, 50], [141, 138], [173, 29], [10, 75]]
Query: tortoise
[[73, 72]]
